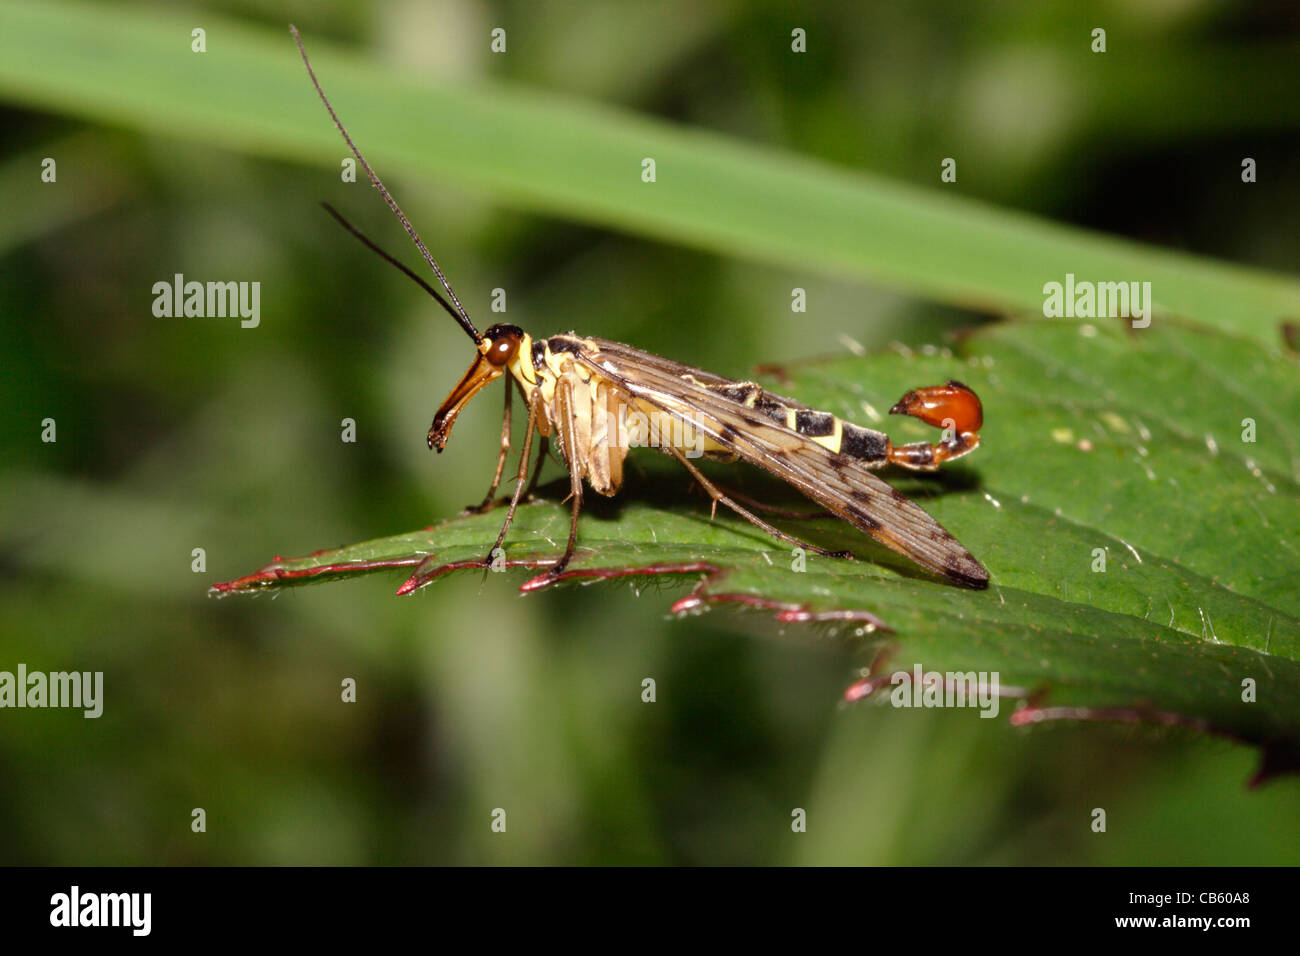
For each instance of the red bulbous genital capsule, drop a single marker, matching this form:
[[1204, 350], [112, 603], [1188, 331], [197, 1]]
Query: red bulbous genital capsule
[[940, 405]]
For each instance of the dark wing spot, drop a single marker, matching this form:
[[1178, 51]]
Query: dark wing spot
[[864, 520], [813, 424], [898, 495], [966, 571], [863, 443]]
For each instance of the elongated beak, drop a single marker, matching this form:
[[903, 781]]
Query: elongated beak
[[480, 373]]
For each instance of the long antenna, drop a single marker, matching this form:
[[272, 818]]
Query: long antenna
[[373, 247], [460, 315]]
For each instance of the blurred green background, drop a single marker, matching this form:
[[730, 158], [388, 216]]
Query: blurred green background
[[182, 433]]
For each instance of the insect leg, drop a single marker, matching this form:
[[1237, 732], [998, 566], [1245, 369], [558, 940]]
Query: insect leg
[[534, 407], [748, 515], [542, 448], [488, 503], [573, 454], [772, 509]]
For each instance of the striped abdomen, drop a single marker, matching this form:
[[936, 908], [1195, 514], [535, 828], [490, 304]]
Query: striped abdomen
[[845, 438]]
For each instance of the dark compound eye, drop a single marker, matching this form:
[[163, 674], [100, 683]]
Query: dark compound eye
[[503, 347]]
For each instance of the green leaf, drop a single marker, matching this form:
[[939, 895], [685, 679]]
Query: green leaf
[[1099, 441], [582, 160]]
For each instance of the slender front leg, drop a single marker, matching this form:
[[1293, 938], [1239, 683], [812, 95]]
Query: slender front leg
[[488, 503], [542, 447], [534, 409], [573, 456]]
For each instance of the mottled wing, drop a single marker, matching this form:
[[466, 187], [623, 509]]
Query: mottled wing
[[617, 351], [837, 482]]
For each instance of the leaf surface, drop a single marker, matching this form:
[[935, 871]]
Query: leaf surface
[[1142, 552]]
